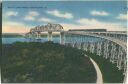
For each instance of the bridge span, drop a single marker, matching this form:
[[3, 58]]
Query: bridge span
[[110, 45], [104, 35]]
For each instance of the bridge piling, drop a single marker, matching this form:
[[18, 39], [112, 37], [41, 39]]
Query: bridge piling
[[62, 38], [49, 35]]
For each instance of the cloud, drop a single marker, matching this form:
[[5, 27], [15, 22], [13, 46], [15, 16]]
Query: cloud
[[122, 17], [11, 13], [31, 16], [68, 26], [33, 13], [60, 14], [93, 23], [14, 27], [85, 23], [99, 13], [46, 20]]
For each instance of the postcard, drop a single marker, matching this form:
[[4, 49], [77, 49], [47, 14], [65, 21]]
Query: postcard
[[64, 41]]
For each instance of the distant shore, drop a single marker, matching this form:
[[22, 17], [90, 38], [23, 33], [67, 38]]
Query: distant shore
[[8, 35]]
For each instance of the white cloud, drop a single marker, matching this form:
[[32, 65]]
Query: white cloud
[[99, 13], [93, 23], [122, 17], [85, 23], [31, 16], [33, 13], [70, 26], [14, 27], [60, 14], [11, 13], [46, 20]]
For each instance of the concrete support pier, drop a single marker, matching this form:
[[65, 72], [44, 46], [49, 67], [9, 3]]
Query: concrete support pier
[[49, 35], [62, 38], [38, 35]]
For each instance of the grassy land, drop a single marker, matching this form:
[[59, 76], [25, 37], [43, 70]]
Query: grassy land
[[45, 63], [110, 72]]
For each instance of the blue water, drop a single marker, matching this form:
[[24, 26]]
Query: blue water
[[15, 39], [44, 39]]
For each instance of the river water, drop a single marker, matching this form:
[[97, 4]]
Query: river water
[[11, 40]]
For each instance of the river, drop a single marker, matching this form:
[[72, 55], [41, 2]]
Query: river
[[10, 40]]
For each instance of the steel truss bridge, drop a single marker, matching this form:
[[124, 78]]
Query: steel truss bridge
[[110, 45]]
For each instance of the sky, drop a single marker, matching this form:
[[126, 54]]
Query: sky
[[20, 17]]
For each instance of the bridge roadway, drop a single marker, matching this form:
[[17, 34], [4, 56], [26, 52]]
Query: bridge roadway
[[117, 41]]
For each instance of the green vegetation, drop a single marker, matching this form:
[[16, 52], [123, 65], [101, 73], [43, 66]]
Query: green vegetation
[[9, 36], [110, 72], [45, 63]]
